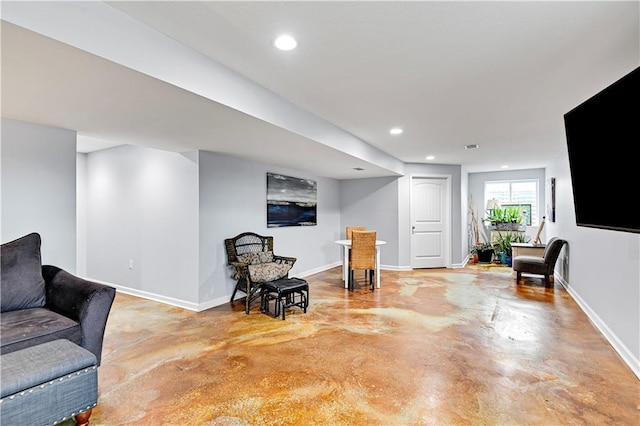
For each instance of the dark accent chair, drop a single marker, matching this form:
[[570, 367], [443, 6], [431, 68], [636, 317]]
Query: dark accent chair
[[544, 265], [254, 263], [42, 303]]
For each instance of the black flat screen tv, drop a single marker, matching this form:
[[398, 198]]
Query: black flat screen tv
[[603, 135]]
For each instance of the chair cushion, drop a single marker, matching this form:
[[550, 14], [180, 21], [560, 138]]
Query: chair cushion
[[530, 264], [269, 271], [30, 327], [256, 257], [22, 284]]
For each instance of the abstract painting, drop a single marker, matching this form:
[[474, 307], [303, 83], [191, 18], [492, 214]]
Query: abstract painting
[[291, 201], [551, 199]]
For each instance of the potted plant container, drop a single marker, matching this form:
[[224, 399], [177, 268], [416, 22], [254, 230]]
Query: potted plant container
[[484, 251]]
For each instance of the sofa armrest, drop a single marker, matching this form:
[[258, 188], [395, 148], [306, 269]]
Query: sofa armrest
[[81, 300]]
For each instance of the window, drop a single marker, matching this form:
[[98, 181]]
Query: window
[[514, 192]]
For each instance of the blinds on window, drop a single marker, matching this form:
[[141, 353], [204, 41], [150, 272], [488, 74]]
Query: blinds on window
[[515, 192]]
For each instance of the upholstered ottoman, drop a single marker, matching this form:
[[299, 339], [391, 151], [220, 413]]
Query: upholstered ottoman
[[47, 384], [283, 294]]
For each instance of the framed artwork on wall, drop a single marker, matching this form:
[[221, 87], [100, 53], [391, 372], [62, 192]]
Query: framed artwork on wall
[[551, 199], [291, 201]]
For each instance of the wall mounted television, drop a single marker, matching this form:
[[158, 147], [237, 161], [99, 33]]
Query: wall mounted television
[[602, 135]]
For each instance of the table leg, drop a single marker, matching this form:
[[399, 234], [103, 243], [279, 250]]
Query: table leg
[[377, 267], [345, 266]]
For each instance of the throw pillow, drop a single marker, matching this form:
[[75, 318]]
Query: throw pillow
[[271, 271], [265, 257], [22, 285], [249, 258], [256, 258]]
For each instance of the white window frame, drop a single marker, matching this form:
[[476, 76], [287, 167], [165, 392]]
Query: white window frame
[[535, 206]]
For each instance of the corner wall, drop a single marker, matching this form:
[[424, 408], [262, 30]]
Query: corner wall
[[233, 200], [372, 203], [142, 222]]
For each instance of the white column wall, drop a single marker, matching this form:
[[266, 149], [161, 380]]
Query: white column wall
[[142, 222], [39, 188]]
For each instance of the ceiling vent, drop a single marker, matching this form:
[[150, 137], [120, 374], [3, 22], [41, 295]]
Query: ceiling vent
[[472, 146]]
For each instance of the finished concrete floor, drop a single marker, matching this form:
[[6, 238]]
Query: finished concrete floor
[[431, 347]]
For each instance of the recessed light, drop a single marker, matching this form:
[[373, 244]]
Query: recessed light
[[359, 169], [430, 157], [395, 131], [504, 167], [285, 42]]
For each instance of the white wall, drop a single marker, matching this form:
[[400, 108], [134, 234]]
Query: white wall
[[372, 203], [142, 222], [601, 270], [81, 214], [39, 188], [233, 200]]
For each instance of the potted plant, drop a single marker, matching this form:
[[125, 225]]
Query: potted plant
[[484, 251], [502, 246], [505, 219], [504, 241]]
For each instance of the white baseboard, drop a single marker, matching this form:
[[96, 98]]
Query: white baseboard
[[314, 271], [395, 268], [162, 299], [627, 356]]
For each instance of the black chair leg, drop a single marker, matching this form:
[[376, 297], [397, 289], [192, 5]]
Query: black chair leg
[[351, 280], [247, 303]]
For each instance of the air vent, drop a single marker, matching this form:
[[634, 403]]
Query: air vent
[[472, 146]]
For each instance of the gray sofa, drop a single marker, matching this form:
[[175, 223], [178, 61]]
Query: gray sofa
[[43, 303]]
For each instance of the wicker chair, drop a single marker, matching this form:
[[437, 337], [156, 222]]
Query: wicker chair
[[251, 256], [350, 230], [363, 256]]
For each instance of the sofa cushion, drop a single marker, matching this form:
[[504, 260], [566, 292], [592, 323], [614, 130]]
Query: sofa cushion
[[29, 327], [22, 285], [269, 271]]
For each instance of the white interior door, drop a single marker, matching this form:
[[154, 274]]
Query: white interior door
[[430, 236]]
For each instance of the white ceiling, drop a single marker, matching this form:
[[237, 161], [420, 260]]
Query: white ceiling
[[499, 74]]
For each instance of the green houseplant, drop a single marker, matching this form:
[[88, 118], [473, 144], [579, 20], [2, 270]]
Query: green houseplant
[[504, 241], [505, 219]]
